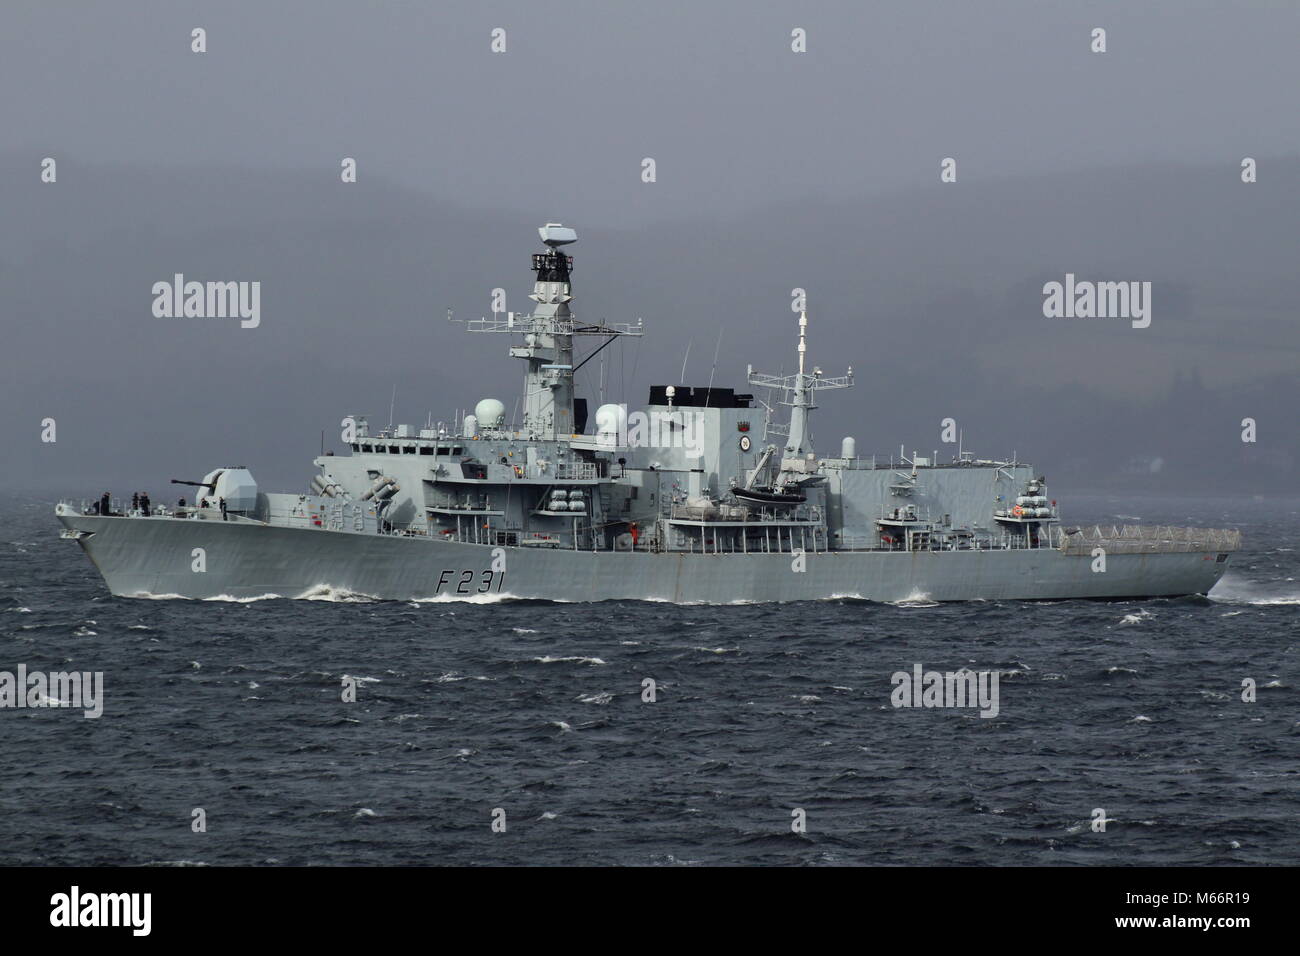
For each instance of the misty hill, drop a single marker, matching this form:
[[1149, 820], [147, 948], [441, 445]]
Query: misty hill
[[933, 296]]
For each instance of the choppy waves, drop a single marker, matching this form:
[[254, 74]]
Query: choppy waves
[[648, 732]]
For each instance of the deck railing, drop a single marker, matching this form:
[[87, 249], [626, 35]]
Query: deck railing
[[1137, 539]]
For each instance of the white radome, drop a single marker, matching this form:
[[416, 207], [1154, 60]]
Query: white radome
[[609, 419], [490, 413]]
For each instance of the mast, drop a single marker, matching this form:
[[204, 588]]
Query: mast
[[548, 332], [799, 459], [548, 341]]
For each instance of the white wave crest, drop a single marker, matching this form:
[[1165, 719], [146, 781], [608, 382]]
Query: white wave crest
[[326, 592], [1233, 589], [466, 599], [917, 598], [231, 598]]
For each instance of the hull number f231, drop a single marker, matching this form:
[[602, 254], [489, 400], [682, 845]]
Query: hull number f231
[[470, 582]]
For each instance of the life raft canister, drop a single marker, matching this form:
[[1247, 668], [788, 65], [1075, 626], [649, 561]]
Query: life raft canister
[[1017, 511]]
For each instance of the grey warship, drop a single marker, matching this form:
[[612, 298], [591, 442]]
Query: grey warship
[[704, 495]]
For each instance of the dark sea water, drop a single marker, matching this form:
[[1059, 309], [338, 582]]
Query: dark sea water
[[535, 708]]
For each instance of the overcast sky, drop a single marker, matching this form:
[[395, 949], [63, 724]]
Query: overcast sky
[[587, 88], [774, 169]]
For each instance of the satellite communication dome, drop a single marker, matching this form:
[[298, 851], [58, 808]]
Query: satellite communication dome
[[609, 419], [490, 412]]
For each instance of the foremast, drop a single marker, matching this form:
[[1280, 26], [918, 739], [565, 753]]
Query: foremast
[[548, 333]]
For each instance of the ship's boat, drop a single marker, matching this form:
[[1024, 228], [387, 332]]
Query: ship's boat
[[769, 498]]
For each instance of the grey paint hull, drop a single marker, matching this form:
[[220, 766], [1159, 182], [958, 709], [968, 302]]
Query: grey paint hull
[[141, 557]]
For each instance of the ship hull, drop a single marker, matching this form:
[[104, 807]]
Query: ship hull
[[153, 557]]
